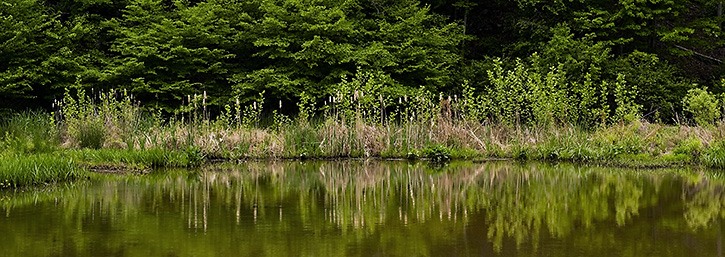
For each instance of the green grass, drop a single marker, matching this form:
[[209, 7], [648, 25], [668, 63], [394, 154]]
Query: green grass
[[715, 155], [28, 133], [153, 158], [19, 171]]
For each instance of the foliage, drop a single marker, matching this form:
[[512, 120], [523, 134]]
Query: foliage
[[690, 147], [194, 156], [306, 107], [85, 123], [437, 153], [660, 88], [703, 105], [624, 96]]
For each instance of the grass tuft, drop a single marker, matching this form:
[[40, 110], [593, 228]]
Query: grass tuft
[[37, 169]]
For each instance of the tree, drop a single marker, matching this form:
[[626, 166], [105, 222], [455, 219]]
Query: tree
[[307, 46], [165, 52], [30, 37]]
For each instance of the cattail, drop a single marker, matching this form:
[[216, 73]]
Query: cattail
[[455, 98], [329, 98], [333, 99], [400, 101], [362, 94], [203, 100], [405, 97], [188, 97], [280, 104], [254, 105], [355, 96], [237, 101]]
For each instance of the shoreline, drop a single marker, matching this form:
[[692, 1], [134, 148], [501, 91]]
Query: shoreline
[[82, 168]]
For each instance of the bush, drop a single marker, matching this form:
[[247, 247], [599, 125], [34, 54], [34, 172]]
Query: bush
[[90, 135], [703, 106], [195, 156], [437, 153]]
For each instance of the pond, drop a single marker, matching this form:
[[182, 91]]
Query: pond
[[372, 208]]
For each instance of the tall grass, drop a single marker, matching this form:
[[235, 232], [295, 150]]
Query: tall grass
[[17, 171], [358, 121], [29, 132], [154, 157]]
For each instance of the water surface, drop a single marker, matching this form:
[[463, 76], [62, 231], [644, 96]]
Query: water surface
[[357, 208]]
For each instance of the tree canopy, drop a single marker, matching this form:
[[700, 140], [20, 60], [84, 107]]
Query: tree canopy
[[166, 50]]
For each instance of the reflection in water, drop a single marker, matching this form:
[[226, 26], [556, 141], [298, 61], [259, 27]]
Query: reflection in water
[[372, 208]]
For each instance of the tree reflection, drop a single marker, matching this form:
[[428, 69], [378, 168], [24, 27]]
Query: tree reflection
[[338, 208]]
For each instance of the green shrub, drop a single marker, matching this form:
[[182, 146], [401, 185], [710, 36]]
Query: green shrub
[[703, 106], [437, 153], [195, 156]]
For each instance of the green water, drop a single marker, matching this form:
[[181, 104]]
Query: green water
[[372, 209]]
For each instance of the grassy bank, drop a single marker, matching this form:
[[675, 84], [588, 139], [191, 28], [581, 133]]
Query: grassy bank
[[38, 169], [113, 131], [171, 143], [18, 170]]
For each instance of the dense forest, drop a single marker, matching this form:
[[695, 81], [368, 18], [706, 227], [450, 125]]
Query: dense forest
[[577, 61]]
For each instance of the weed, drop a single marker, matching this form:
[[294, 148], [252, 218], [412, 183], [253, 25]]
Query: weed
[[195, 156], [437, 153]]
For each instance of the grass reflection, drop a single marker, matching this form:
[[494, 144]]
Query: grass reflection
[[338, 208]]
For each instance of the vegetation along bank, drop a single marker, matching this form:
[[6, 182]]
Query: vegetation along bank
[[135, 84]]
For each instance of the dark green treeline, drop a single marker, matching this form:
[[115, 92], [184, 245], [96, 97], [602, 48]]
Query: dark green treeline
[[163, 51]]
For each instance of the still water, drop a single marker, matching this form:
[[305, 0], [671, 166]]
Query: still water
[[357, 208]]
